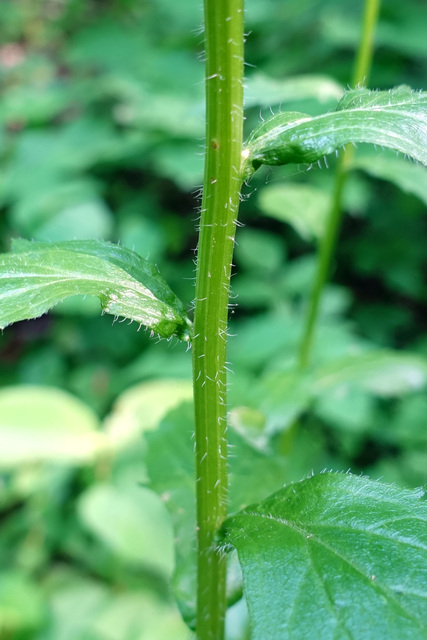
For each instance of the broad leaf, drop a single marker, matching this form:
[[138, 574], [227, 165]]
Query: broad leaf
[[334, 557], [303, 206], [22, 605], [141, 408], [265, 91], [343, 384], [106, 612], [42, 424], [36, 276], [141, 533], [383, 373], [406, 175], [396, 119]]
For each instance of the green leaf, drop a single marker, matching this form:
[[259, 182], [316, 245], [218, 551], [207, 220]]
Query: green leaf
[[334, 557], [36, 276], [396, 119], [139, 615], [383, 373], [258, 250], [141, 408], [409, 177], [347, 408], [41, 424], [141, 534], [71, 209], [303, 206], [342, 386], [105, 611], [22, 606], [264, 91]]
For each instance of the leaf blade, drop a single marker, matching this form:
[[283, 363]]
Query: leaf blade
[[36, 276], [335, 556], [45, 425], [396, 119]]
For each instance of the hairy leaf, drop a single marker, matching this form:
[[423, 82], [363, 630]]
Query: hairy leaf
[[396, 119], [334, 557], [36, 276]]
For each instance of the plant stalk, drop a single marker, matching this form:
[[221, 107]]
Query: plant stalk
[[361, 71], [220, 202]]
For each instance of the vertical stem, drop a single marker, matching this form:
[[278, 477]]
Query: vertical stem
[[221, 192], [363, 62], [361, 72]]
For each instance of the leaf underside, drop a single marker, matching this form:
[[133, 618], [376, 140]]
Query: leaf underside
[[34, 277], [336, 557], [396, 119]]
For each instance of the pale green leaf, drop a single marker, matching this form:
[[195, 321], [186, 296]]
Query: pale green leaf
[[133, 524], [106, 613], [303, 206], [139, 615], [141, 407], [396, 119], [409, 177], [22, 605], [42, 424], [36, 276], [383, 373], [264, 91], [344, 384], [334, 557]]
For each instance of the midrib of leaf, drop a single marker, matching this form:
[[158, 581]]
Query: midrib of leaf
[[309, 536], [130, 284], [37, 276], [334, 610], [62, 276], [379, 118], [344, 112]]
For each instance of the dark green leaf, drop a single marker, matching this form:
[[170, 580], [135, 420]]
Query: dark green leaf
[[334, 557], [396, 119], [36, 276]]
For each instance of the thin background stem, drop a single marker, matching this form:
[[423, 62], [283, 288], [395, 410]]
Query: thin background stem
[[221, 192], [361, 72]]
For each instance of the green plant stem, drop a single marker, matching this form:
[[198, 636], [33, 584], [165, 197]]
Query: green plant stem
[[220, 202], [361, 72], [364, 56]]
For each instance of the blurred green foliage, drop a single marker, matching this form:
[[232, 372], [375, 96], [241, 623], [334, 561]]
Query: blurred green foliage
[[101, 114]]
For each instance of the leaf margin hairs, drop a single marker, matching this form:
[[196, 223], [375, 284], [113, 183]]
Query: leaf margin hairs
[[128, 285], [361, 115]]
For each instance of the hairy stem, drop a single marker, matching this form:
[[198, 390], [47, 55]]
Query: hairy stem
[[361, 72], [221, 192]]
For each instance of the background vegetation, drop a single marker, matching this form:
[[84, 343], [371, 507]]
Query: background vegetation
[[102, 137]]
